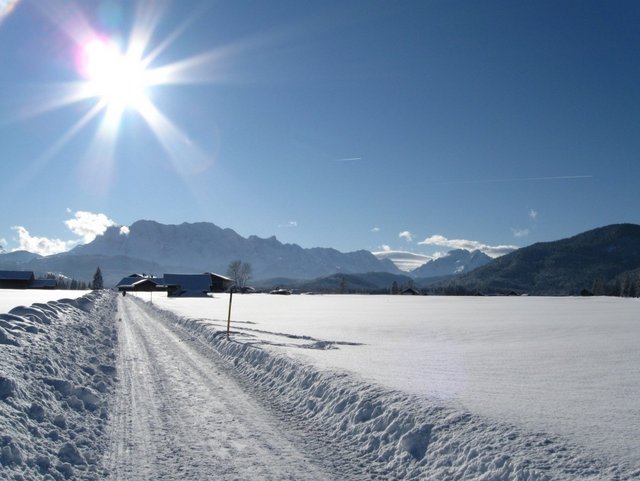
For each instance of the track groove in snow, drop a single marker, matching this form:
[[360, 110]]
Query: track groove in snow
[[177, 415]]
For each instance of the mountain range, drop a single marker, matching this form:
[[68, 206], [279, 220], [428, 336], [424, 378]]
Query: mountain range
[[606, 255], [153, 248], [458, 261], [563, 267]]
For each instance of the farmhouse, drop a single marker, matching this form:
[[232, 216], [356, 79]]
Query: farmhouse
[[24, 280], [140, 282], [195, 285], [177, 285]]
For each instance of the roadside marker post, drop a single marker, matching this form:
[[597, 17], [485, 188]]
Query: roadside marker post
[[229, 316]]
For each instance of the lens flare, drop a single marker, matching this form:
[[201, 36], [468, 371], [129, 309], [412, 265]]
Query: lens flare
[[118, 80]]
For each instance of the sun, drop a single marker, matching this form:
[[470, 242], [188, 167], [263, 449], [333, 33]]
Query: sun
[[120, 81]]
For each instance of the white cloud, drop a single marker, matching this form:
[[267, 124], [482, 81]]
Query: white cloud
[[124, 230], [291, 223], [41, 245], [533, 214], [88, 225], [385, 247], [85, 225], [375, 229], [405, 261], [3, 243], [406, 235], [520, 232], [470, 245]]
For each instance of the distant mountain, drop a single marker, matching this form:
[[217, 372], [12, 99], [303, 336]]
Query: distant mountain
[[203, 246], [562, 267], [371, 282], [16, 259], [455, 262]]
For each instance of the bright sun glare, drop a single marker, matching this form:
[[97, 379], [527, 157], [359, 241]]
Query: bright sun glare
[[115, 78], [118, 80]]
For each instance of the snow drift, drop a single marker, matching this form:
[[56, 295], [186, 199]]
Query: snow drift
[[56, 374], [383, 434]]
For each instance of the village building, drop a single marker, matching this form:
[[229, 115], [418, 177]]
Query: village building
[[141, 282], [410, 291], [24, 280], [177, 285], [195, 285]]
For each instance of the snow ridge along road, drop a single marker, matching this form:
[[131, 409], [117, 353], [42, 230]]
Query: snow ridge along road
[[178, 414]]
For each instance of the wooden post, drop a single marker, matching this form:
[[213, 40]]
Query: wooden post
[[229, 316]]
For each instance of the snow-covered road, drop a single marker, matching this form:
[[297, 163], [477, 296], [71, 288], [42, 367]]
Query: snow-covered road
[[178, 414]]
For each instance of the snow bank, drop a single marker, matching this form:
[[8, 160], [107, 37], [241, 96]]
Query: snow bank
[[383, 434], [57, 370]]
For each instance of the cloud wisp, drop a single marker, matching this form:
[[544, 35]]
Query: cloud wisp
[[470, 245], [288, 225], [406, 235], [520, 232], [405, 261], [347, 159]]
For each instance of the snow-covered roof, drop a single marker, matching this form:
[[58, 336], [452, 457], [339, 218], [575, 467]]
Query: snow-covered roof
[[219, 276]]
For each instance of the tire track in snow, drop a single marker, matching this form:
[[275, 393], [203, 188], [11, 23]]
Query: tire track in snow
[[178, 416]]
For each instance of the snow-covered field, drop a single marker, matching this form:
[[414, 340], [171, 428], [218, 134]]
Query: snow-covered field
[[319, 387], [563, 366]]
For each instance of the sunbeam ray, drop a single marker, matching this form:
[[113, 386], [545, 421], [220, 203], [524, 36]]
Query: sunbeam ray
[[97, 171], [33, 169], [187, 158]]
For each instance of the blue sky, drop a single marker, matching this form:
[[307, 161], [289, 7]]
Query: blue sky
[[413, 126]]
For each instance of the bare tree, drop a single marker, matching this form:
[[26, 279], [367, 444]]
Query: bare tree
[[240, 272]]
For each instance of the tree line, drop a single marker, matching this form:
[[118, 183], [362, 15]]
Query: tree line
[[627, 285], [63, 282]]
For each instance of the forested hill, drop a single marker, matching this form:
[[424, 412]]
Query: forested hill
[[596, 258]]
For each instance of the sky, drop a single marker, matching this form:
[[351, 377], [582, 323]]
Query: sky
[[416, 126]]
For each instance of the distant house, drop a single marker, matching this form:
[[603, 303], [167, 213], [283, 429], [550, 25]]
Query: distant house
[[195, 285], [24, 280], [140, 282], [410, 291], [219, 283]]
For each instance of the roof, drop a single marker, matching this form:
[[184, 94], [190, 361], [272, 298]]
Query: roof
[[224, 278], [130, 280], [155, 281], [17, 275], [190, 284]]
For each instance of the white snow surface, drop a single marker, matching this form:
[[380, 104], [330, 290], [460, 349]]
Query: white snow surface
[[10, 298], [562, 366], [56, 373], [117, 388]]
